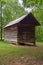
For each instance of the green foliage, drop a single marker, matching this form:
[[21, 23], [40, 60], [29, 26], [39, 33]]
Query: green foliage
[[28, 3], [39, 34], [11, 11], [38, 13]]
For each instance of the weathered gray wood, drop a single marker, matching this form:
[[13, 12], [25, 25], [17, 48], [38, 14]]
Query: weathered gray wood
[[11, 34]]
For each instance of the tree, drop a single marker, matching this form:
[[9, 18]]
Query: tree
[[1, 16]]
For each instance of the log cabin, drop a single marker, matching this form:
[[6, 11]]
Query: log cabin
[[21, 30]]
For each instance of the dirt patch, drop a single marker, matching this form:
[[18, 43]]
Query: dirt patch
[[30, 62], [18, 63], [27, 60]]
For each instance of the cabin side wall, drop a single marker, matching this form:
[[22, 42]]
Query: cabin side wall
[[26, 34], [11, 34]]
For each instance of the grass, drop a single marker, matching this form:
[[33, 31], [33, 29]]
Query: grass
[[9, 53]]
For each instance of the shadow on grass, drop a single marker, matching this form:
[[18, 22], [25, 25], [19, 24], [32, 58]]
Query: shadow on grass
[[22, 44], [31, 45]]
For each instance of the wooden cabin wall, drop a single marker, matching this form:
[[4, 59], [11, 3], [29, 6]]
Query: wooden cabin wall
[[26, 30], [11, 34], [26, 34]]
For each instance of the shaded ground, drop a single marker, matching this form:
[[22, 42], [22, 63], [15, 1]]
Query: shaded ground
[[30, 62], [25, 60]]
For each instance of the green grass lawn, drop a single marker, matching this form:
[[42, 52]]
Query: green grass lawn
[[10, 53]]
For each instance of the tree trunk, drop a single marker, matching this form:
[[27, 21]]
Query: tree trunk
[[1, 21]]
